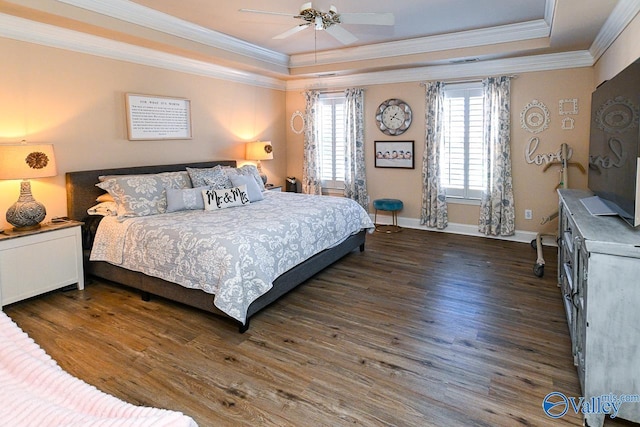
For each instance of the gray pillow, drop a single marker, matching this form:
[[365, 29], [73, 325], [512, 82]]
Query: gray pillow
[[185, 199], [142, 195], [252, 187], [216, 176], [248, 170]]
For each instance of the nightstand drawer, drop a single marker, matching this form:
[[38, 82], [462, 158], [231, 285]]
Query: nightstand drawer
[[39, 262]]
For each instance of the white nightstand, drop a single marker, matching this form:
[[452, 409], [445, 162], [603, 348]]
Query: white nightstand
[[37, 261]]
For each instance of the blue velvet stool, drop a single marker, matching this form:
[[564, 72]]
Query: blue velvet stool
[[390, 205]]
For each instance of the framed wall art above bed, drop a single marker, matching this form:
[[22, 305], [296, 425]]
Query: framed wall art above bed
[[152, 117]]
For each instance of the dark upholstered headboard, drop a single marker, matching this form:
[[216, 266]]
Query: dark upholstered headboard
[[82, 191]]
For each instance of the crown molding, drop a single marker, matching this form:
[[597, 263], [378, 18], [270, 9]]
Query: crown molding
[[463, 39], [48, 35], [549, 10], [134, 13], [547, 62], [622, 14], [141, 15]]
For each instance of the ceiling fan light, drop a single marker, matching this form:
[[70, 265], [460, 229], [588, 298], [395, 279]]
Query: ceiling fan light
[[319, 23]]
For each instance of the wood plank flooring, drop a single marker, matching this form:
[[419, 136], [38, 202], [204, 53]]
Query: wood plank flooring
[[421, 329]]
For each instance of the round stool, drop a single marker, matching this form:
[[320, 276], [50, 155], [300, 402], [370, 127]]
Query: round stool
[[390, 205]]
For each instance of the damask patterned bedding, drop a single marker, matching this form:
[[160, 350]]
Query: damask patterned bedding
[[234, 253]]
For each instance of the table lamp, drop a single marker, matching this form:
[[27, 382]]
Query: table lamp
[[26, 161], [260, 150]]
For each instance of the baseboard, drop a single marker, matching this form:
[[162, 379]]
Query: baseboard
[[472, 230]]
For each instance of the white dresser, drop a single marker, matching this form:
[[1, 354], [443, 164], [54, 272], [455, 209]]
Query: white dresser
[[599, 275], [37, 261]]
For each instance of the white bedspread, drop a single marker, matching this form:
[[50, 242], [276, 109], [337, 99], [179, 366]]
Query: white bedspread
[[233, 253], [35, 391]]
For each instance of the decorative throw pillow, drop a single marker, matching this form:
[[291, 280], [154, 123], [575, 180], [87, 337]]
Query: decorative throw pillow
[[248, 170], [215, 177], [185, 199], [104, 209], [106, 197], [142, 195], [253, 191], [225, 198]]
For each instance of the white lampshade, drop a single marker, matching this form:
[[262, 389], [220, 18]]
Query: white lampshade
[[260, 150], [26, 161]]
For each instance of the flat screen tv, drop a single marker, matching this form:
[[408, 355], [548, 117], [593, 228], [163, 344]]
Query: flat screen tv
[[614, 153]]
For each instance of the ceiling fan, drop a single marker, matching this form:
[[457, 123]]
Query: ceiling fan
[[329, 21]]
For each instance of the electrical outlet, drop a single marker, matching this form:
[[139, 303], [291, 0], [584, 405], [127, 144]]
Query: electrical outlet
[[528, 214]]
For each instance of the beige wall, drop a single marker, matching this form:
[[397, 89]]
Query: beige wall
[[76, 102], [534, 189], [621, 53]]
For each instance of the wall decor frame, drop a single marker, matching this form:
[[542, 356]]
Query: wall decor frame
[[568, 106], [568, 123], [535, 117], [151, 117], [298, 122], [394, 154]]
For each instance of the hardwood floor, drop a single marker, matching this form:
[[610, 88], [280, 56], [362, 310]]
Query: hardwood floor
[[421, 329]]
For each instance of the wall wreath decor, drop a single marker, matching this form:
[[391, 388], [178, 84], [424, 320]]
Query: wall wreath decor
[[535, 117], [297, 122]]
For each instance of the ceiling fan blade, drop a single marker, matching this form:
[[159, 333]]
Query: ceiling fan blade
[[266, 12], [367, 18], [340, 34], [291, 31]]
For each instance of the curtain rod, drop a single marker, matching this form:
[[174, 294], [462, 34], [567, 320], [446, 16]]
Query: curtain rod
[[329, 92], [513, 76]]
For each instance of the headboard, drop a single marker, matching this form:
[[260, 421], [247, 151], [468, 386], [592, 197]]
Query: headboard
[[82, 191]]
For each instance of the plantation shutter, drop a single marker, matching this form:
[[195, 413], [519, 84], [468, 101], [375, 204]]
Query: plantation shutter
[[332, 141], [462, 160]]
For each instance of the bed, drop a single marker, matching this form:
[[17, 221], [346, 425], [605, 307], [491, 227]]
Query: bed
[[287, 272], [36, 391]]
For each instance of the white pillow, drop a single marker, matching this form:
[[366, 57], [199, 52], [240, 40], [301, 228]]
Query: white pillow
[[106, 197], [104, 209], [225, 198], [253, 190]]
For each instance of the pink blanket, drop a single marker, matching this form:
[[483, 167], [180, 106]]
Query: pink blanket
[[35, 391]]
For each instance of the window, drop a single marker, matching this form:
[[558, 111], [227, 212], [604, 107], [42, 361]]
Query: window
[[332, 140], [462, 162]]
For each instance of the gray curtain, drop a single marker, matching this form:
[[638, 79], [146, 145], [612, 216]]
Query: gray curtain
[[497, 212], [434, 203], [355, 180], [311, 183]]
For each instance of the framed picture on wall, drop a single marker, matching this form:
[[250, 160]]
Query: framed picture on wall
[[394, 154], [151, 117]]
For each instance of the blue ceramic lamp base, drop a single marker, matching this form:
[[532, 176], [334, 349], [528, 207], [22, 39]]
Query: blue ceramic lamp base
[[26, 213]]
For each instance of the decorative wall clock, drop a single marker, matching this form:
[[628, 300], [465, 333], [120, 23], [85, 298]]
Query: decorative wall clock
[[393, 117]]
